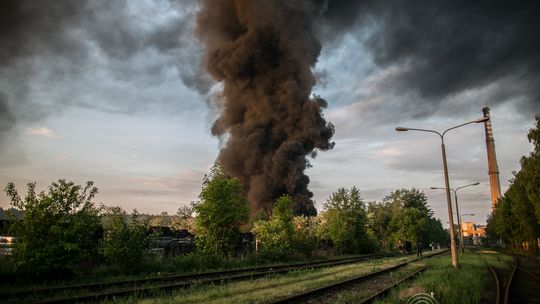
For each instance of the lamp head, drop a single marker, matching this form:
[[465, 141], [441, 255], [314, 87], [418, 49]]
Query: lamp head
[[401, 129], [476, 184], [433, 188]]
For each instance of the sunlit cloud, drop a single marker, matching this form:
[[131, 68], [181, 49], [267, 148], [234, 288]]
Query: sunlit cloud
[[41, 131]]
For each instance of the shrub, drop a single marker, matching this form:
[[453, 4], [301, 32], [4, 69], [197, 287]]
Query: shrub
[[221, 211], [126, 240], [275, 236], [59, 231], [305, 235]]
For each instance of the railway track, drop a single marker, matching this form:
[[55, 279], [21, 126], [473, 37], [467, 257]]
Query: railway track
[[381, 282], [525, 284], [103, 291], [518, 284]]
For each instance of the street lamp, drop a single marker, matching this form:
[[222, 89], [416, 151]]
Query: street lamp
[[460, 229], [453, 250]]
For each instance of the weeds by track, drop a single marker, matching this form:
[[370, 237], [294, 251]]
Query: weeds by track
[[103, 291], [525, 283], [328, 293], [521, 284]]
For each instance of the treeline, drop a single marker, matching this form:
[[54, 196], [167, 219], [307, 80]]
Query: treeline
[[347, 223], [64, 233], [516, 218]]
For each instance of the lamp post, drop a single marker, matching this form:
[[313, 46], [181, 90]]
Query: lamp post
[[453, 250], [460, 229]]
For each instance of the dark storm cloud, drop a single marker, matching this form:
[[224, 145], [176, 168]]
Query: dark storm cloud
[[447, 47], [7, 119], [61, 39]]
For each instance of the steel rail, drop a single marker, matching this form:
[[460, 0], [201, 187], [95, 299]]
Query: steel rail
[[306, 295], [174, 282], [389, 288], [509, 284]]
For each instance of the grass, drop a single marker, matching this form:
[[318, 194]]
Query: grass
[[357, 296], [265, 289], [187, 264], [448, 285]]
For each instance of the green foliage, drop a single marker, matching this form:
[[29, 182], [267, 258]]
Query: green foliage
[[126, 240], [221, 211], [409, 225], [59, 231], [448, 285], [344, 222], [275, 235], [404, 215], [516, 218], [304, 238]]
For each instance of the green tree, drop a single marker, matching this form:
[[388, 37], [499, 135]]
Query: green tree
[[221, 211], [345, 221], [59, 231], [379, 217], [513, 220], [126, 239], [404, 215], [304, 238], [409, 225], [184, 219], [530, 169], [275, 235]]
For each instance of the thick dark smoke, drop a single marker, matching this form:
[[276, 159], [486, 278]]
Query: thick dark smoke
[[448, 47], [263, 52]]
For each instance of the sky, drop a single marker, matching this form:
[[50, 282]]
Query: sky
[[116, 93]]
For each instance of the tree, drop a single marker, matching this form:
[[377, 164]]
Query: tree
[[275, 235], [379, 217], [126, 239], [184, 219], [530, 169], [516, 220], [404, 215], [410, 225], [60, 229], [345, 221], [304, 238], [221, 211]]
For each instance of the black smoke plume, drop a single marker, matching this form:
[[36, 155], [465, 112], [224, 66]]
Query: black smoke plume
[[263, 53]]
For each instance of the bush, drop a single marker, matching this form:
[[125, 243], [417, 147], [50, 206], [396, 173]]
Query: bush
[[221, 211], [275, 236], [126, 240], [59, 231], [304, 238]]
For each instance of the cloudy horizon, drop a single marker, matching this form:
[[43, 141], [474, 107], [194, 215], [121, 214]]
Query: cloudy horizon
[[115, 93]]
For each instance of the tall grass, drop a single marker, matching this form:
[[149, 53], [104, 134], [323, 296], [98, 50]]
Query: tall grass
[[449, 285]]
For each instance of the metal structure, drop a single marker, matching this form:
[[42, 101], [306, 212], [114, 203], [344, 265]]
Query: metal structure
[[460, 228], [453, 250], [493, 168]]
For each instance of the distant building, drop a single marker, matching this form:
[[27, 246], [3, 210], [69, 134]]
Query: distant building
[[473, 234]]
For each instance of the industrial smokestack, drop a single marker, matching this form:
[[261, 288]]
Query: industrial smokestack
[[493, 168]]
